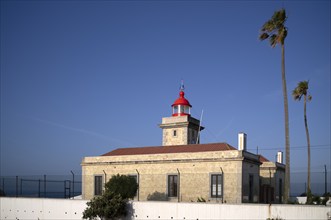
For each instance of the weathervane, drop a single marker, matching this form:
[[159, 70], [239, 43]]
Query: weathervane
[[182, 85]]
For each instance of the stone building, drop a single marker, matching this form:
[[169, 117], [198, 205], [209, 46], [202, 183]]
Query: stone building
[[181, 169], [272, 176]]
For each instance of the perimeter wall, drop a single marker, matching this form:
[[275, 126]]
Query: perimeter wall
[[42, 209]]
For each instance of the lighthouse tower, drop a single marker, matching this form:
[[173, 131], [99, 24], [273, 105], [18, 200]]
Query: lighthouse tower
[[180, 128]]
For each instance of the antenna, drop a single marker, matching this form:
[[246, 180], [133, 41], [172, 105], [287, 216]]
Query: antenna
[[199, 127]]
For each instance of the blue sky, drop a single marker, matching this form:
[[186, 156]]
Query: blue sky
[[81, 78]]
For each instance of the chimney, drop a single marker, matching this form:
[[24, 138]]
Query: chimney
[[242, 141], [279, 157]]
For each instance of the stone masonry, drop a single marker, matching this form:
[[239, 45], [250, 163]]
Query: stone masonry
[[193, 169], [180, 130], [273, 175]]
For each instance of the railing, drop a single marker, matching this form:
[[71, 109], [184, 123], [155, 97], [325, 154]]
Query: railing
[[69, 186], [46, 186]]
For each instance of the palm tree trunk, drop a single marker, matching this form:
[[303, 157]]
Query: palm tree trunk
[[308, 142], [287, 132]]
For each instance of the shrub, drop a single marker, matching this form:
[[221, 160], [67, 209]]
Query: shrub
[[107, 206], [303, 194], [326, 198], [126, 186], [316, 200], [157, 196], [112, 204], [200, 199], [310, 198]]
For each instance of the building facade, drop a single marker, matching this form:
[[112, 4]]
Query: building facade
[[215, 172], [181, 169], [272, 176]]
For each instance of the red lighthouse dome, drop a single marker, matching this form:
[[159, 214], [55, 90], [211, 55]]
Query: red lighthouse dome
[[181, 106]]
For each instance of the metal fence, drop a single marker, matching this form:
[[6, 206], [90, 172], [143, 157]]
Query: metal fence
[[320, 183], [45, 186], [70, 186]]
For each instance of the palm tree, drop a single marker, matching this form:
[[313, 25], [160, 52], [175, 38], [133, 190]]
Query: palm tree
[[297, 93], [275, 30]]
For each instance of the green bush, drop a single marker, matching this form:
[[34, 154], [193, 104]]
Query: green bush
[[126, 186], [112, 204], [326, 198], [107, 206], [157, 196], [316, 200], [200, 199], [303, 194], [310, 198]]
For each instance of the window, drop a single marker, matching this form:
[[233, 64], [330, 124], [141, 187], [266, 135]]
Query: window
[[187, 109], [97, 185], [175, 109], [175, 133], [172, 185], [180, 109], [216, 185], [135, 177]]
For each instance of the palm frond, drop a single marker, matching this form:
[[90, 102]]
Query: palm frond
[[296, 94], [269, 26], [263, 36], [301, 90], [273, 40], [279, 18], [275, 29]]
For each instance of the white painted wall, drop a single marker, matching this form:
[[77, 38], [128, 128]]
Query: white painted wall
[[204, 211], [35, 208]]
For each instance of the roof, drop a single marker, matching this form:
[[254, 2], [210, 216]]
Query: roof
[[263, 159], [191, 148], [181, 100]]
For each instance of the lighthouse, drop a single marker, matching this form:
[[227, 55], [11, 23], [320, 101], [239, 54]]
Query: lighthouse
[[181, 128]]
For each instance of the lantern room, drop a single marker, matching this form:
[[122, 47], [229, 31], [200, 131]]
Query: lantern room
[[181, 106]]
